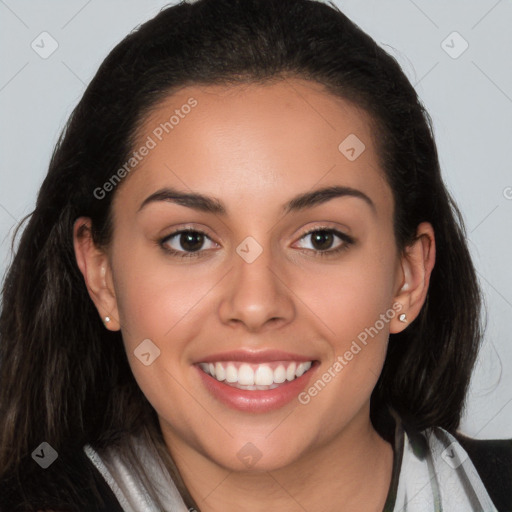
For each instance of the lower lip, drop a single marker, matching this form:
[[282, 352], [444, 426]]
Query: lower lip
[[256, 401]]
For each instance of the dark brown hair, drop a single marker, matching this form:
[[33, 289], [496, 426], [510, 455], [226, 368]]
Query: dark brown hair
[[64, 378]]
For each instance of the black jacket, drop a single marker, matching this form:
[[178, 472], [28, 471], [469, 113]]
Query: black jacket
[[50, 489]]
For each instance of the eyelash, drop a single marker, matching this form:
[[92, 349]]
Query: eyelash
[[347, 242]]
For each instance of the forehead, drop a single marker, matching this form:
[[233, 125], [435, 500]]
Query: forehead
[[264, 140]]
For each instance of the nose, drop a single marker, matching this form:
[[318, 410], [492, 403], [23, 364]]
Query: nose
[[256, 295]]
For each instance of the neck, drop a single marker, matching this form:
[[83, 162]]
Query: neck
[[352, 471]]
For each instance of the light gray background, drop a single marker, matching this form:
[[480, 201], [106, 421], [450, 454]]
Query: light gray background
[[469, 98]]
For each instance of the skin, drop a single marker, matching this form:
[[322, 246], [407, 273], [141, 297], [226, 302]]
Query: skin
[[254, 148]]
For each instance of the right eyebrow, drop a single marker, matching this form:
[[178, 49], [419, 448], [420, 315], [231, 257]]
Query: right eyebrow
[[190, 200]]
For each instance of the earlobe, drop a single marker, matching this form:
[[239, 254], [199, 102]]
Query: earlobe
[[95, 267], [417, 262]]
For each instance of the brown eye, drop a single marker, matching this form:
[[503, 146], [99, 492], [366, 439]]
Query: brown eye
[[191, 241], [325, 241], [187, 242], [322, 240]]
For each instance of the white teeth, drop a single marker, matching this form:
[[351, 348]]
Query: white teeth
[[279, 374], [255, 376], [264, 376], [220, 373], [302, 368], [290, 371], [231, 374], [246, 375]]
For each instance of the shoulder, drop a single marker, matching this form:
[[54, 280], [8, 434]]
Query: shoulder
[[70, 484], [492, 459], [491, 463], [460, 472]]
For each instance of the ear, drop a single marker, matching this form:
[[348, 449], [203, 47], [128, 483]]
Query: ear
[[94, 264], [417, 262]]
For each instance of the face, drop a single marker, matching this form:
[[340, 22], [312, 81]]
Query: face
[[253, 270]]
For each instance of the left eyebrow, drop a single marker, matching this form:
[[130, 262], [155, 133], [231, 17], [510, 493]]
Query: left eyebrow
[[208, 204], [322, 195]]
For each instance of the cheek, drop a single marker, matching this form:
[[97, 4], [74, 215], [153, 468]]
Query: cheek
[[349, 297], [353, 300], [154, 297], [161, 303]]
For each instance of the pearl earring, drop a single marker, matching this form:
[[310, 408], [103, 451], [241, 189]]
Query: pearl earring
[[403, 318], [107, 319]]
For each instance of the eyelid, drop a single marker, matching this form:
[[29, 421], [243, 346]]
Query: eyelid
[[325, 228], [184, 228], [341, 231]]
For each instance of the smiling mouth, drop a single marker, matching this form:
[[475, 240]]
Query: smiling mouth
[[256, 377]]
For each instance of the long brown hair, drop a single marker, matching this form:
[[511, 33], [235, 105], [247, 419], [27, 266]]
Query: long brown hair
[[64, 378]]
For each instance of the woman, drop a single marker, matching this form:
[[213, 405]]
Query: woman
[[244, 284]]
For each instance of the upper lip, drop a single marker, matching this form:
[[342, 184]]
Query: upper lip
[[255, 357]]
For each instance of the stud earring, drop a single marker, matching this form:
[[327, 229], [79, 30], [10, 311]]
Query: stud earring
[[403, 318], [107, 319]]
